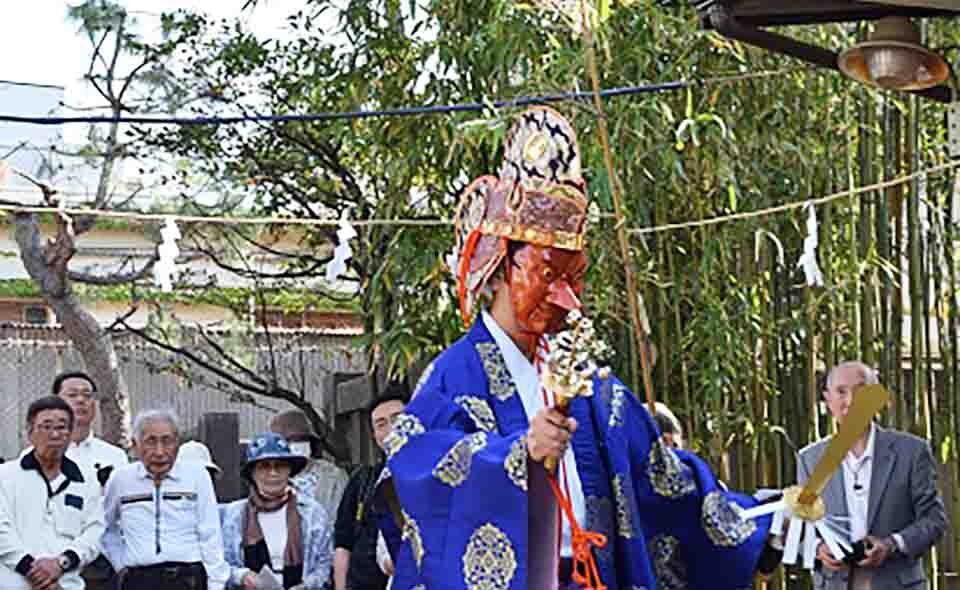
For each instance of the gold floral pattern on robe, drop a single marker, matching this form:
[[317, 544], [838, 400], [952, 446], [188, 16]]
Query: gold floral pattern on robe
[[622, 494], [411, 534], [670, 570], [422, 380], [479, 411], [454, 467], [501, 384], [722, 524], [404, 427], [668, 475], [516, 463], [489, 561], [617, 403]]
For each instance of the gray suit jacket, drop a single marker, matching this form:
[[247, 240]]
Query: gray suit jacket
[[903, 499]]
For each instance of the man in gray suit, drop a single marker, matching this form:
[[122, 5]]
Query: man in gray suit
[[887, 488]]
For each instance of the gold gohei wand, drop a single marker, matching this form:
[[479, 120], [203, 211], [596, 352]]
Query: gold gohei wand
[[568, 365]]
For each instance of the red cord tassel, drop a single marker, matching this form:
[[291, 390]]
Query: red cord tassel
[[585, 572]]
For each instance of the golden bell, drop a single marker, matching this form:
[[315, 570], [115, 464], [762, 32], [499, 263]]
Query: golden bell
[[893, 58]]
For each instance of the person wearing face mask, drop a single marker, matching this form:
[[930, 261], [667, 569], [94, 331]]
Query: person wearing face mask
[[320, 479], [355, 564], [276, 532], [475, 505]]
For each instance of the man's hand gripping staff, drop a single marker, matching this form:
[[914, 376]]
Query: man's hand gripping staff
[[567, 370]]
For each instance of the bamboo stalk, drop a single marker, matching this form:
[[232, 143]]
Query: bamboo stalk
[[883, 240], [900, 408], [915, 267], [688, 405], [941, 400], [952, 365], [864, 228], [640, 333]]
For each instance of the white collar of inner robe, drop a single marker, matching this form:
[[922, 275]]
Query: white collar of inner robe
[[521, 369], [527, 379]]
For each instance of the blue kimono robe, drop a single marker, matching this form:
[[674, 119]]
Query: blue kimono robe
[[458, 464]]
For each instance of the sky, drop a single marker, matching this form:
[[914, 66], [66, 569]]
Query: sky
[[49, 50]]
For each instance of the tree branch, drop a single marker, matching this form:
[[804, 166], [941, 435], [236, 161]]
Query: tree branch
[[272, 391], [114, 278]]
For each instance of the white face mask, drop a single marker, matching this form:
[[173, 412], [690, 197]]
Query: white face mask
[[300, 448]]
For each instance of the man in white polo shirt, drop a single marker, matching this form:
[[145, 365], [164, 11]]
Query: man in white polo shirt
[[79, 391], [51, 516], [90, 452], [163, 524]]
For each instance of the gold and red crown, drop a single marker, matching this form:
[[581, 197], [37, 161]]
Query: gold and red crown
[[539, 198]]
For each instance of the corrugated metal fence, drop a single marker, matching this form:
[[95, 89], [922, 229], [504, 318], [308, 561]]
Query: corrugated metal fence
[[30, 359]]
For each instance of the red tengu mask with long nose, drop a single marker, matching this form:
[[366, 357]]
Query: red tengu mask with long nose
[[545, 285]]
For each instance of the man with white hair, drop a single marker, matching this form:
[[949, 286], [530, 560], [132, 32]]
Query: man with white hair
[[886, 490], [163, 524]]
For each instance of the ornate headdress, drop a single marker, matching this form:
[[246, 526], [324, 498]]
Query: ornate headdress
[[539, 198]]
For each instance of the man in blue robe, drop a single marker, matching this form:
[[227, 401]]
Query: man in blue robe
[[474, 506]]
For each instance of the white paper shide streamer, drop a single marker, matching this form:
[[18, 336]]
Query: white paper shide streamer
[[806, 527], [808, 260], [342, 252], [167, 253]]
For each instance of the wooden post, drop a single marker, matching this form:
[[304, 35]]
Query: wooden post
[[220, 431]]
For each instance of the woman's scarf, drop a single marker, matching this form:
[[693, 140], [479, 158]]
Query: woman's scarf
[[256, 554]]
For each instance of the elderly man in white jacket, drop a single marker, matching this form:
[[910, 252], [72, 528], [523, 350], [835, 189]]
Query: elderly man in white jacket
[[51, 513]]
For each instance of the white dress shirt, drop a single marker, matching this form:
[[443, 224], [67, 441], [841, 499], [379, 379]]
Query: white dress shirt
[[177, 521], [97, 453], [857, 472], [856, 483], [527, 379]]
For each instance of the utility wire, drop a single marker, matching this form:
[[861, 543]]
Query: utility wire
[[405, 111]]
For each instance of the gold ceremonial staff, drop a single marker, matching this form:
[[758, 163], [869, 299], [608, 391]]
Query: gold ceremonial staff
[[569, 366], [806, 502], [803, 506]]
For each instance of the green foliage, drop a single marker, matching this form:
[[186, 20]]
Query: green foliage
[[739, 335], [234, 298]]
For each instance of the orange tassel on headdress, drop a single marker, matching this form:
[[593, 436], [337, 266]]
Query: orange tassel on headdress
[[465, 257]]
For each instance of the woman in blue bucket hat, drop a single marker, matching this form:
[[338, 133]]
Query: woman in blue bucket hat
[[275, 533]]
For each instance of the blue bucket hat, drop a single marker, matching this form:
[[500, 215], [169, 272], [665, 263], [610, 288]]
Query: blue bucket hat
[[271, 446]]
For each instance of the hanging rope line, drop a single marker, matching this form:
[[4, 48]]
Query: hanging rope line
[[798, 204], [131, 215], [407, 111]]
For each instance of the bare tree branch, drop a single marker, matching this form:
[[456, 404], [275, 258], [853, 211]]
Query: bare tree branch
[[272, 390], [114, 278], [15, 149]]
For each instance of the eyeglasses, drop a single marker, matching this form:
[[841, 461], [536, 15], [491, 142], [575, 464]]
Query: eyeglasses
[[48, 428], [159, 442]]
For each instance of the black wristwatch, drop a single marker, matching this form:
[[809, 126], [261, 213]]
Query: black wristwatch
[[68, 560]]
